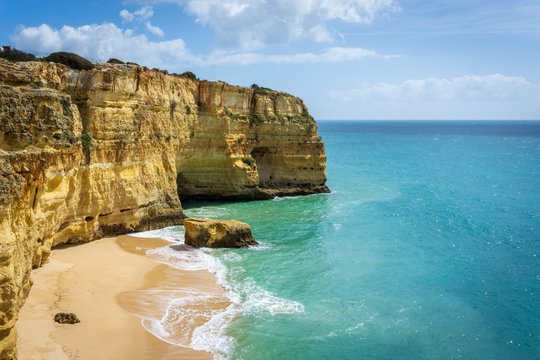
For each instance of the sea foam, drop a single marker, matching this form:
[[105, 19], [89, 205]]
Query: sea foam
[[178, 324]]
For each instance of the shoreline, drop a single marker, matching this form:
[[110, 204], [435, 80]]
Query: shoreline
[[124, 299]]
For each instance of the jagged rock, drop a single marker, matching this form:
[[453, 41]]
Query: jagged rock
[[66, 318], [205, 232]]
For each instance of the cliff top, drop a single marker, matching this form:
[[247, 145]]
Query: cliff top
[[77, 62]]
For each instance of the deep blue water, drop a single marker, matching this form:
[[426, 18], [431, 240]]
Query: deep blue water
[[428, 247]]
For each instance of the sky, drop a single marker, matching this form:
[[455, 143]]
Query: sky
[[347, 59]]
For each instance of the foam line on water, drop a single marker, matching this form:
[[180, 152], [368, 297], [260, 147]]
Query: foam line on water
[[244, 296], [173, 234], [183, 260]]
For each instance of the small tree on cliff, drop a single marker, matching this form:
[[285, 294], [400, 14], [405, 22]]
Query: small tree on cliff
[[72, 60]]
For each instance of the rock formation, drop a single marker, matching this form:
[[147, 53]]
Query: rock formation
[[66, 318], [204, 232], [111, 150]]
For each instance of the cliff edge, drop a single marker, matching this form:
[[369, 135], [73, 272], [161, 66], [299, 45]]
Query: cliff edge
[[88, 153]]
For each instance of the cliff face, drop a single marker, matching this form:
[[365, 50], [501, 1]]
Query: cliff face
[[89, 153], [246, 144]]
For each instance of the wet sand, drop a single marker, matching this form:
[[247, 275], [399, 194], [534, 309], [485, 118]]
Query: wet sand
[[111, 286]]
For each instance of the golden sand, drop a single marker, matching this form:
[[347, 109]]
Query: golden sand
[[111, 286]]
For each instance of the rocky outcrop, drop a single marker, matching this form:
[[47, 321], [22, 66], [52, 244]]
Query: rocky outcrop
[[205, 232], [66, 318], [84, 154]]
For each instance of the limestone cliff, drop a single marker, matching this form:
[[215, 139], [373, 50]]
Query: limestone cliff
[[89, 153]]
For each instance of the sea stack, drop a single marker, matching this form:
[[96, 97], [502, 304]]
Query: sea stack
[[205, 232]]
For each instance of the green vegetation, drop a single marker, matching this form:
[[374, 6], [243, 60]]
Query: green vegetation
[[282, 119], [306, 115], [259, 90], [255, 119], [249, 161], [72, 60], [132, 63], [66, 106], [115, 61], [86, 141], [69, 138], [232, 115], [303, 118], [16, 55], [189, 75]]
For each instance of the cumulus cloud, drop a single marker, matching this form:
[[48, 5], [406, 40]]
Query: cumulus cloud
[[252, 24], [331, 55], [126, 15], [154, 29], [104, 41], [101, 42], [468, 88], [144, 13]]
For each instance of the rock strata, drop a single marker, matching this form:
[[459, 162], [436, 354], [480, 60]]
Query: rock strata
[[205, 232], [87, 153]]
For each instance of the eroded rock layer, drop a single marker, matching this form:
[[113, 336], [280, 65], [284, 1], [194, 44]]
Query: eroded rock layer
[[84, 154], [205, 232]]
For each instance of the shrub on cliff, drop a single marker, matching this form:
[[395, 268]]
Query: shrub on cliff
[[86, 141], [72, 60], [16, 55], [249, 161], [255, 119], [231, 114], [189, 75], [259, 90], [115, 61], [303, 118]]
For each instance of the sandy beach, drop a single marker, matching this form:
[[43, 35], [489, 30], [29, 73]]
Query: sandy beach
[[111, 286]]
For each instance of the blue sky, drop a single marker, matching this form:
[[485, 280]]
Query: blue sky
[[348, 59]]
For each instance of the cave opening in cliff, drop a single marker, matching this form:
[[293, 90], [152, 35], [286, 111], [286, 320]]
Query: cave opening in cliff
[[264, 167]]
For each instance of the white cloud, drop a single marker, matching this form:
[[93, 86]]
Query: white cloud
[[101, 42], [252, 24], [154, 29], [331, 55], [144, 13], [468, 88], [126, 15]]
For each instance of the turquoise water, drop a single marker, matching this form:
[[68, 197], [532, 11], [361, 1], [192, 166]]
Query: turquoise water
[[428, 247]]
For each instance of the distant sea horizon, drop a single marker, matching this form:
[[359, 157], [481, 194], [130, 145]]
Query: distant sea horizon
[[416, 127], [432, 120], [427, 247]]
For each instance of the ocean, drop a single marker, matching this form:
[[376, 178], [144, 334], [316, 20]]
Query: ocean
[[428, 247]]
